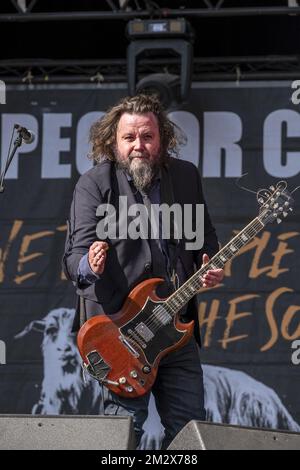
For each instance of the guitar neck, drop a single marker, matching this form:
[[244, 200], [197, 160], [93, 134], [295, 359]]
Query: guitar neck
[[191, 287]]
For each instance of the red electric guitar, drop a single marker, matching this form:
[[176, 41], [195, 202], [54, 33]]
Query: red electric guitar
[[123, 350]]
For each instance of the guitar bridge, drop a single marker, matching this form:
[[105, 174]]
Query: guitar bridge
[[97, 367], [129, 346]]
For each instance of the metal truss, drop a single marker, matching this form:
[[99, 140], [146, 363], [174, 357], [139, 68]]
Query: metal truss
[[31, 10], [36, 71], [114, 70]]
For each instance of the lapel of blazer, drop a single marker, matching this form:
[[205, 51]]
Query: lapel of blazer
[[121, 187], [167, 192]]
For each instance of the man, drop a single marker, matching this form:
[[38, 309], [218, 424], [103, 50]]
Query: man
[[132, 146]]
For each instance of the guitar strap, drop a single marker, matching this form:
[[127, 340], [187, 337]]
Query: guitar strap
[[167, 196]]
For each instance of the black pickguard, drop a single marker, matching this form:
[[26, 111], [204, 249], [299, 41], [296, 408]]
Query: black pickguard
[[164, 336]]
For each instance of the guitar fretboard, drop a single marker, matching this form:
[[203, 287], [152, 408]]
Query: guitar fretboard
[[191, 287]]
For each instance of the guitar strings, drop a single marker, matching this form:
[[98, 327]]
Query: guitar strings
[[190, 287], [182, 295]]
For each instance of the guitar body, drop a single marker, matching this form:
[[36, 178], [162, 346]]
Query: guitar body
[[123, 350]]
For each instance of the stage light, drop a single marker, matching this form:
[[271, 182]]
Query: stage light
[[158, 28], [161, 38], [165, 85]]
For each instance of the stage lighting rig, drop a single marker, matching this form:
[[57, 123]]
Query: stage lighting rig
[[161, 37]]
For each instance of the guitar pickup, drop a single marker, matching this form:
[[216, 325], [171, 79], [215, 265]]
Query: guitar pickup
[[97, 367]]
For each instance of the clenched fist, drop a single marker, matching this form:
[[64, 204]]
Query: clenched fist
[[97, 256]]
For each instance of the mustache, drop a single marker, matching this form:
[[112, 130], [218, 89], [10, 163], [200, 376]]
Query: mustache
[[138, 154]]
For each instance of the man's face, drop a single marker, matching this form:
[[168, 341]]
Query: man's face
[[138, 140]]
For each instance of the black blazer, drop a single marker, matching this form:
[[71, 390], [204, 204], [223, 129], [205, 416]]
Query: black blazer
[[128, 261]]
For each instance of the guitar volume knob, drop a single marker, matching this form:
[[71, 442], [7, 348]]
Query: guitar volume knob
[[146, 369], [133, 374]]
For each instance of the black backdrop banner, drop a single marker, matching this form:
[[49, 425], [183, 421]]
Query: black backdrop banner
[[251, 323]]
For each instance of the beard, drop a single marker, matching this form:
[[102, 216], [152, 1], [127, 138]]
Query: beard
[[142, 170]]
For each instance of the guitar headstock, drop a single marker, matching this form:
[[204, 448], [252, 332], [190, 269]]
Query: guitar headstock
[[275, 203]]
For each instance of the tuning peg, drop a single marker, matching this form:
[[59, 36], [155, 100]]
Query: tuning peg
[[284, 214], [276, 205], [290, 209], [279, 221], [260, 200], [272, 188]]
